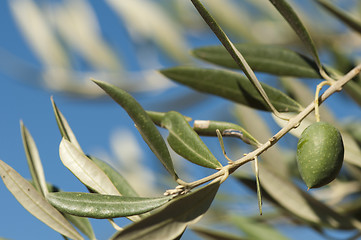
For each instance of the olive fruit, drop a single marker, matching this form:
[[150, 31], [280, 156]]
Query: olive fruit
[[320, 154]]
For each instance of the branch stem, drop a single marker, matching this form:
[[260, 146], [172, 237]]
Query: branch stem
[[292, 123]]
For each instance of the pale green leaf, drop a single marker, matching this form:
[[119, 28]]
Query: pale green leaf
[[100, 206], [270, 59], [168, 222], [293, 20], [35, 203], [85, 169], [64, 127], [186, 142], [143, 123], [34, 162], [122, 185], [345, 17], [257, 230], [232, 86]]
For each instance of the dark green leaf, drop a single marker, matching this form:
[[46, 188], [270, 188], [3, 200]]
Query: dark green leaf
[[143, 122], [256, 230], [293, 20], [186, 142], [35, 203], [209, 127], [171, 220], [101, 206], [345, 17], [63, 126], [263, 58], [158, 116], [118, 180], [232, 86], [34, 162], [215, 235]]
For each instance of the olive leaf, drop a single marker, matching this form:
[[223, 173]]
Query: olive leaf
[[35, 203], [236, 55], [143, 123], [212, 234], [293, 20], [270, 59], [299, 203], [209, 127], [34, 162], [80, 223], [346, 18], [63, 126], [122, 185], [257, 230], [170, 221], [232, 86], [94, 205], [85, 169], [186, 142]]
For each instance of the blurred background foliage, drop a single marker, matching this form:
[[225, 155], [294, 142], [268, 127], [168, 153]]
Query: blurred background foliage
[[126, 42]]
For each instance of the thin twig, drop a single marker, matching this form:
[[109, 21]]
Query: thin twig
[[292, 123]]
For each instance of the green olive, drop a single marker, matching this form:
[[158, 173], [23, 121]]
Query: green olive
[[320, 154]]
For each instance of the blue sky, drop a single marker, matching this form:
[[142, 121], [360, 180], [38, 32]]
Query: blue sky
[[93, 121]]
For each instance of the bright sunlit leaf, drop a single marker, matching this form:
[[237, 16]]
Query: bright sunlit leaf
[[35, 203], [85, 169]]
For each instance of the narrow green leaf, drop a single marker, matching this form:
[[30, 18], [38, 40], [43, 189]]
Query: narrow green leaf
[[172, 219], [186, 142], [345, 17], [35, 203], [101, 206], [158, 116], [63, 125], [270, 59], [80, 223], [212, 234], [236, 55], [293, 20], [257, 230], [232, 86], [299, 203], [116, 178], [143, 123], [209, 127], [34, 162], [83, 224], [85, 169]]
